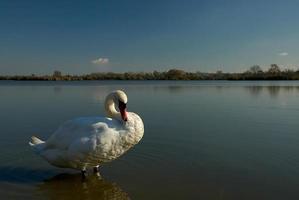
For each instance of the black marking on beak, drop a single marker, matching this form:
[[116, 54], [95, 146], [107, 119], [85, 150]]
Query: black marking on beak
[[121, 105], [122, 108]]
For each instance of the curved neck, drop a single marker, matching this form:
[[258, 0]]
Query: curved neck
[[110, 107]]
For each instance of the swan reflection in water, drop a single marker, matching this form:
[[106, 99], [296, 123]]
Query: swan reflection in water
[[71, 186]]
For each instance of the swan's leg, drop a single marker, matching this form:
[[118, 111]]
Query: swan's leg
[[83, 174], [96, 169]]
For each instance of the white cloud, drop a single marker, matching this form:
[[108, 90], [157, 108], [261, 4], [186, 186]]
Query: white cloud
[[283, 53], [100, 61]]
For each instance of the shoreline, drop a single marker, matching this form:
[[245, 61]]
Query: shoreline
[[274, 73]]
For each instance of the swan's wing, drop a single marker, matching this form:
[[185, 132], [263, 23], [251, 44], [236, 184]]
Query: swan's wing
[[74, 130], [80, 149], [100, 147]]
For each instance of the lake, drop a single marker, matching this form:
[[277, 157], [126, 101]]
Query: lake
[[202, 140]]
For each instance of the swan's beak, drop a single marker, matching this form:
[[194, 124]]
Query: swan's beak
[[124, 115], [123, 110]]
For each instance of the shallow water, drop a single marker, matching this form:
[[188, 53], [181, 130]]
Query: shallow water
[[203, 140]]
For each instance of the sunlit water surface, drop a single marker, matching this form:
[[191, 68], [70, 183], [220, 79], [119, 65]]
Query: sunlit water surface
[[203, 140]]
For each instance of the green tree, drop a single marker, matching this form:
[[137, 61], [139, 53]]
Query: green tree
[[274, 69], [176, 74], [57, 73], [255, 69]]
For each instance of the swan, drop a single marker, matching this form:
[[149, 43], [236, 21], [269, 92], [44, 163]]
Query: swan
[[88, 142]]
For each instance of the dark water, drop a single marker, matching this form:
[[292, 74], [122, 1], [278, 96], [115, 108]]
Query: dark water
[[203, 140]]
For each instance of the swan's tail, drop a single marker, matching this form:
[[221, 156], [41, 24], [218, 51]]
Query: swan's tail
[[37, 144], [35, 140]]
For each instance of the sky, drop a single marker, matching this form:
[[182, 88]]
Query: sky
[[78, 37]]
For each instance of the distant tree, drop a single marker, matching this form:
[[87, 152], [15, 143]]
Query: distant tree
[[288, 71], [157, 75], [57, 73], [219, 75], [176, 74], [274, 69], [255, 69]]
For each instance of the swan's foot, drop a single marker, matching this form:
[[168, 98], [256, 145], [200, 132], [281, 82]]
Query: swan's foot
[[96, 171]]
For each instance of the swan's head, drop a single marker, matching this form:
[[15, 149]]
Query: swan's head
[[120, 96], [120, 100]]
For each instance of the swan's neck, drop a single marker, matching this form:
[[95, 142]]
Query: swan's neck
[[110, 108]]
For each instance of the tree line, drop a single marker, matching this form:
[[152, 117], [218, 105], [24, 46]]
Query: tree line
[[255, 72]]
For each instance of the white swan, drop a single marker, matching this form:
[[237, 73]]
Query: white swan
[[90, 141]]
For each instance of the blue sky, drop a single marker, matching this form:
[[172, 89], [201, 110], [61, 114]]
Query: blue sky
[[134, 35]]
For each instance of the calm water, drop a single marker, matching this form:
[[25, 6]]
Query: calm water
[[203, 140]]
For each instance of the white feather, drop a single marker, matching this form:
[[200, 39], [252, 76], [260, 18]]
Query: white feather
[[90, 141]]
